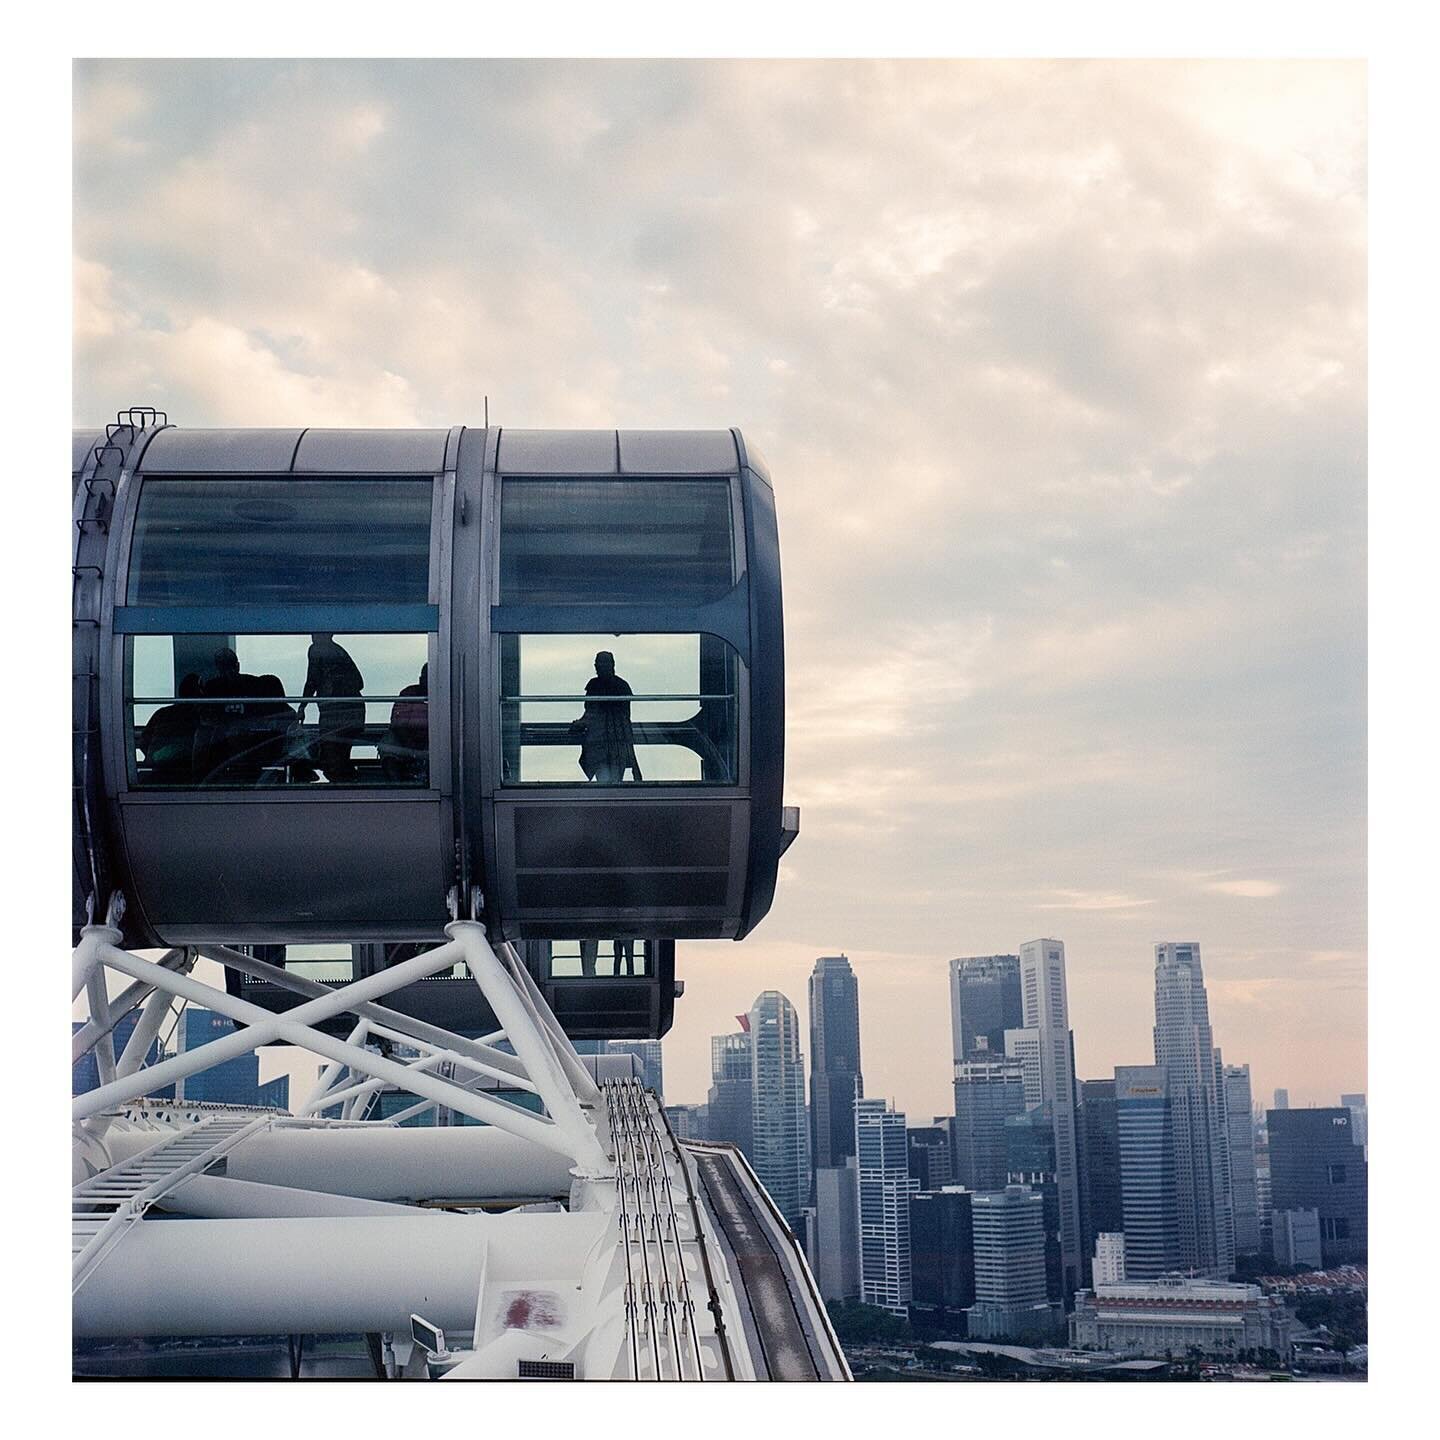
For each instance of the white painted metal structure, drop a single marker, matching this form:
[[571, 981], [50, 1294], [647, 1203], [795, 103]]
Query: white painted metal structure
[[578, 1240]]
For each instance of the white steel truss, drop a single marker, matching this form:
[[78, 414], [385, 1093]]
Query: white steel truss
[[544, 1062], [607, 1257]]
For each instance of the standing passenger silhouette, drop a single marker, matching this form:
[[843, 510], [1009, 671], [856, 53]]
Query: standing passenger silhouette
[[334, 678], [607, 749]]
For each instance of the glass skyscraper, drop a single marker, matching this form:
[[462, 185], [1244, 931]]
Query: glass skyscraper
[[835, 1078], [780, 1134], [1147, 1171], [1315, 1164], [728, 1110], [984, 1004], [1184, 1046], [1240, 1126]]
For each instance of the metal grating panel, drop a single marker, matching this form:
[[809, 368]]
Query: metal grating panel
[[546, 1370]]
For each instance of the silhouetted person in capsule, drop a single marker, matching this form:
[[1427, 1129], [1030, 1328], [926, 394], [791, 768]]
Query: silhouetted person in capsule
[[404, 750], [224, 737], [336, 682], [607, 745], [168, 738]]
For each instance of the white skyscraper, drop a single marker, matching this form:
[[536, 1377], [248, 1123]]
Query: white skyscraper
[[1024, 1046], [1109, 1266], [1185, 1048], [882, 1155], [1045, 1010]]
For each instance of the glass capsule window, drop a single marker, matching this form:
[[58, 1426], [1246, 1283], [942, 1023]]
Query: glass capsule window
[[618, 710], [281, 542], [244, 711], [615, 542], [599, 959]]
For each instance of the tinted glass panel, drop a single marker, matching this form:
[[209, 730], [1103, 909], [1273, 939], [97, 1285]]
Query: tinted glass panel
[[615, 542], [281, 542], [577, 959], [618, 709], [242, 711]]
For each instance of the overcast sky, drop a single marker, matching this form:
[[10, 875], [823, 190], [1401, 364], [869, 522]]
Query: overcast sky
[[1060, 369]]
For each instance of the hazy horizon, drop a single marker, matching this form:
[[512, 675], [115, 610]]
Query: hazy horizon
[[1060, 368]]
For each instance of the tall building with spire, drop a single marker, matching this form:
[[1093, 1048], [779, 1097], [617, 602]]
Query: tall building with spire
[[835, 1078], [1185, 1049], [1045, 1010], [779, 1133]]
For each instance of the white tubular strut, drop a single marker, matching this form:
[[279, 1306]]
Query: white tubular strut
[[580, 1077], [543, 1063], [577, 1142], [534, 1045], [412, 1031]]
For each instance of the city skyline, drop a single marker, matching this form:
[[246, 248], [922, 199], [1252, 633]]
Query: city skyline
[[933, 1014], [1060, 368]]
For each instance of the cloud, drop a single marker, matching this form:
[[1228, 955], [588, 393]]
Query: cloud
[[1080, 900], [1060, 368], [1247, 889]]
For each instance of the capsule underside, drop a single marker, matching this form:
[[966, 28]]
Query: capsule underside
[[331, 683]]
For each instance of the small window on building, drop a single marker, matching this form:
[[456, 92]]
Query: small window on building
[[1335, 1174]]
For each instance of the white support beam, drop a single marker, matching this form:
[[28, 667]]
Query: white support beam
[[83, 1040], [263, 1026], [533, 1044], [404, 1027], [580, 1078], [331, 1073], [566, 1131]]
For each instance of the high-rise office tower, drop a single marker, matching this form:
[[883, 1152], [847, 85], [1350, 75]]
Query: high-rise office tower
[[1359, 1120], [1030, 1160], [1264, 1205], [885, 1187], [835, 1078], [1044, 1007], [984, 1004], [1100, 1160], [729, 1108], [834, 1239], [232, 1082], [942, 1254], [649, 1059], [1282, 1099], [929, 1152], [1185, 1048], [1147, 1171], [1241, 1127], [1023, 1047], [987, 1093], [1010, 1296], [1109, 1268], [1316, 1165], [688, 1122], [780, 1133], [85, 1073]]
